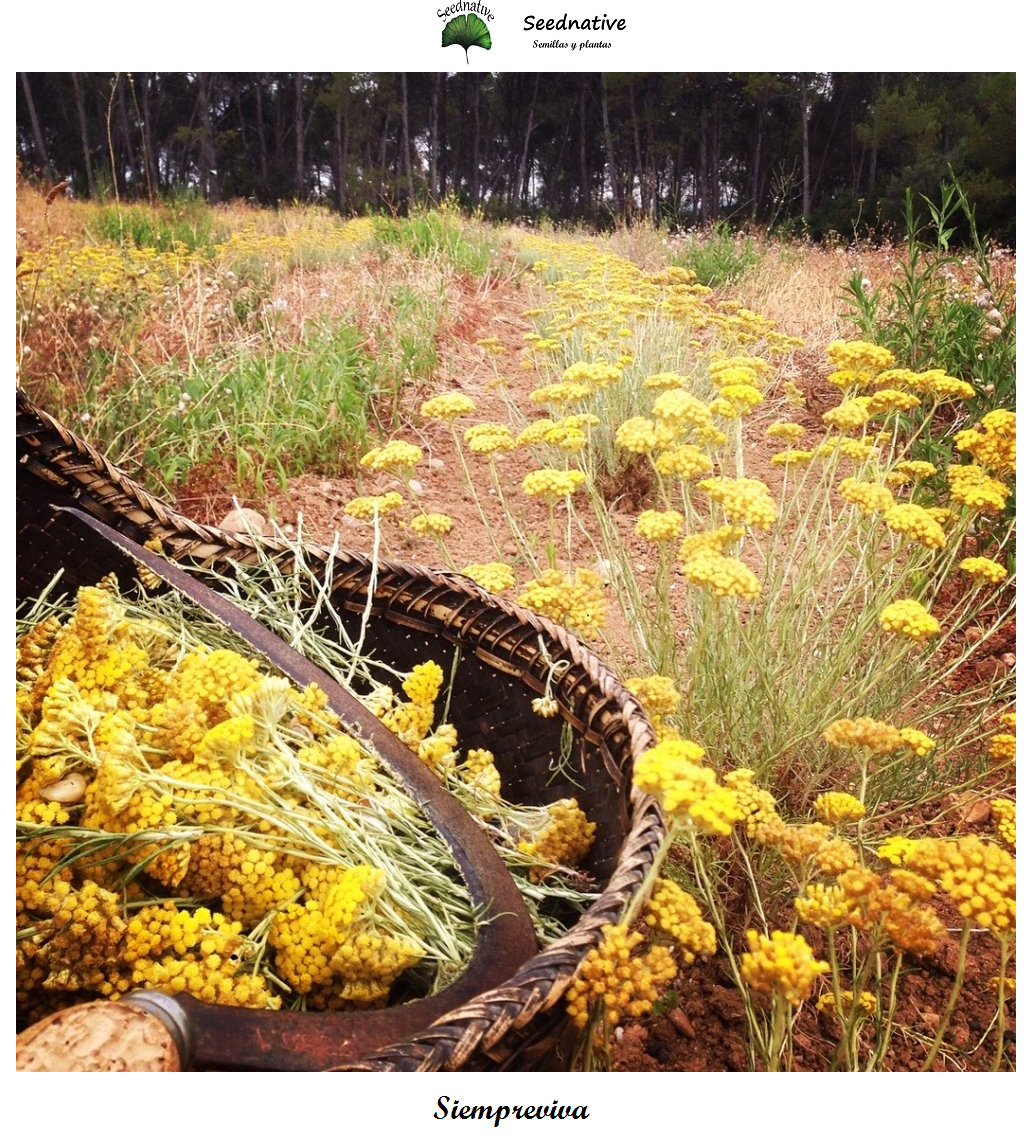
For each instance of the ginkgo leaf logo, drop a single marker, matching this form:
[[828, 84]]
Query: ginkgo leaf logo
[[467, 31]]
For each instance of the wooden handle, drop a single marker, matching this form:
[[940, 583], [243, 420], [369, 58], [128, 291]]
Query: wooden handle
[[101, 1036]]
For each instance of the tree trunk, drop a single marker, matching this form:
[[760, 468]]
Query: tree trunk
[[209, 171], [84, 135], [37, 130], [614, 178], [299, 136], [522, 175], [406, 142], [804, 95]]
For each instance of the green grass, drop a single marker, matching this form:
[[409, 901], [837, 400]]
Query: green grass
[[464, 244], [274, 414], [183, 222]]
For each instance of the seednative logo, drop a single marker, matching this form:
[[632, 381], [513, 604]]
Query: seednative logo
[[469, 30]]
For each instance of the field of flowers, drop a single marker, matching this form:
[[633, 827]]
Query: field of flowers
[[798, 551]]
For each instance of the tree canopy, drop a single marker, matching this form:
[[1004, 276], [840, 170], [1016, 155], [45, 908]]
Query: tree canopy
[[826, 151]]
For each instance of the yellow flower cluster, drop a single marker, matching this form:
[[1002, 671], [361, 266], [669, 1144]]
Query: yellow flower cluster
[[979, 877], [675, 412], [983, 568], [664, 380], [745, 500], [659, 525], [916, 468], [726, 577], [787, 432], [908, 617], [894, 904], [684, 460], [848, 415], [489, 438], [576, 601], [596, 375], [1003, 747], [673, 772], [1005, 818], [835, 807], [427, 525], [637, 435], [995, 445], [368, 507], [551, 485], [618, 982], [916, 523], [877, 737], [844, 447], [857, 362], [919, 743], [864, 1002], [871, 497], [564, 838], [975, 487], [717, 541], [782, 964], [393, 457], [448, 407], [757, 805], [791, 457], [742, 397], [494, 576], [657, 694], [674, 912]]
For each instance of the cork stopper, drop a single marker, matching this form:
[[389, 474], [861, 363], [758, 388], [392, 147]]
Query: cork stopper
[[101, 1036]]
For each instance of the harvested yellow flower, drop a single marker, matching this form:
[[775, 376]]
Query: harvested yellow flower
[[864, 1002]]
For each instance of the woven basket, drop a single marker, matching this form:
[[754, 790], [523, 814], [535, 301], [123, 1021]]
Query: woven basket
[[504, 657]]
